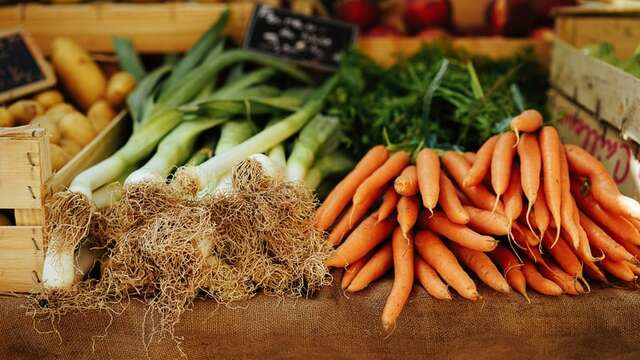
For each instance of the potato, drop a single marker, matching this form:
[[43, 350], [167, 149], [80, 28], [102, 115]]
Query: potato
[[23, 111], [100, 114], [50, 127], [49, 98], [77, 127], [6, 119], [118, 87], [58, 111], [58, 157], [4, 219], [80, 75], [70, 147]]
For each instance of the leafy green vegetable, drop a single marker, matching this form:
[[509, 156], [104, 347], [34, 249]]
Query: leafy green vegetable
[[438, 98], [606, 52]]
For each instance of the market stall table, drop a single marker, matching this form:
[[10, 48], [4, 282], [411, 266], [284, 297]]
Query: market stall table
[[603, 323]]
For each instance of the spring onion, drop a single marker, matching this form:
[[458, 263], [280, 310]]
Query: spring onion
[[312, 136]]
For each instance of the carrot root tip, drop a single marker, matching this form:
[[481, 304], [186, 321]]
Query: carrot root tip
[[495, 204]]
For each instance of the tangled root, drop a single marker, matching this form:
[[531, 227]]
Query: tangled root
[[69, 217]]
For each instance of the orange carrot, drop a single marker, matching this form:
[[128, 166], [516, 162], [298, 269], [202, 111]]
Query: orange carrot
[[379, 263], [389, 201], [530, 165], [402, 279], [349, 219], [385, 173], [502, 163], [632, 248], [584, 249], [513, 197], [436, 254], [470, 156], [567, 204], [406, 184], [541, 214], [569, 284], [408, 207], [563, 255], [603, 187], [341, 195], [614, 224], [633, 267], [619, 269], [481, 164], [481, 265], [527, 240], [479, 195], [450, 202], [351, 271], [527, 121], [511, 269], [364, 238], [487, 222], [430, 280], [428, 168], [539, 283], [550, 147], [439, 223], [600, 239], [594, 272]]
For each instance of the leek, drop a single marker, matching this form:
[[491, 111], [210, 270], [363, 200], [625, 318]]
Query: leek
[[314, 134], [232, 134], [329, 165], [205, 152]]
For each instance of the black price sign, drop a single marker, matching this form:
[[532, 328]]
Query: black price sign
[[310, 41], [22, 67]]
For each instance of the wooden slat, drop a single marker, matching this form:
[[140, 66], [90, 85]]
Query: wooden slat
[[599, 87], [21, 175], [623, 32], [21, 258], [25, 217], [105, 144]]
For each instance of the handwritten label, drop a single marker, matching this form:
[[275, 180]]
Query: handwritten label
[[22, 68], [310, 41]]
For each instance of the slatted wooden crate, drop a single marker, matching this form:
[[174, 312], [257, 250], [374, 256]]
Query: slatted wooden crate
[[25, 181]]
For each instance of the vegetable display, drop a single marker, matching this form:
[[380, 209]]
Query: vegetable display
[[576, 223]]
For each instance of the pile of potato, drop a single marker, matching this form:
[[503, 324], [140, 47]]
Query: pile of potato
[[70, 128]]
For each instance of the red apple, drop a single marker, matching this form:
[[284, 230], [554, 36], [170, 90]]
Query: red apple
[[543, 9], [383, 30], [511, 17], [422, 14], [359, 12]]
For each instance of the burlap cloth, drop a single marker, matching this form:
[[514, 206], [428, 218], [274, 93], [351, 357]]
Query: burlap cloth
[[604, 324]]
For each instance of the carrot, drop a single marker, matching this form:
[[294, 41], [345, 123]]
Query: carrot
[[594, 272], [600, 239], [436, 254], [513, 197], [541, 214], [614, 224], [527, 121], [481, 164], [430, 280], [525, 239], [341, 195], [603, 187], [406, 184], [511, 269], [481, 265], [389, 201], [351, 271], [364, 238], [539, 283], [379, 263], [501, 163], [385, 173], [479, 195], [568, 283], [567, 203], [349, 219], [632, 248], [584, 249], [450, 202], [402, 279], [470, 156], [550, 146], [530, 165], [461, 234], [408, 207], [487, 222], [619, 269], [428, 168], [633, 267], [563, 255], [635, 222]]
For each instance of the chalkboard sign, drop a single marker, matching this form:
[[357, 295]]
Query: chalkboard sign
[[22, 67], [310, 41]]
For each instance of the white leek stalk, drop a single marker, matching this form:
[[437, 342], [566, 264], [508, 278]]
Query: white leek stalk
[[327, 165], [232, 134], [311, 138]]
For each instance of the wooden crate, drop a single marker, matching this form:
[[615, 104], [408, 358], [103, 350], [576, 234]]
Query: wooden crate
[[25, 181], [616, 23], [153, 28]]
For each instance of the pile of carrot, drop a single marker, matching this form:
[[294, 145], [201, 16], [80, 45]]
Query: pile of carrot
[[442, 215]]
